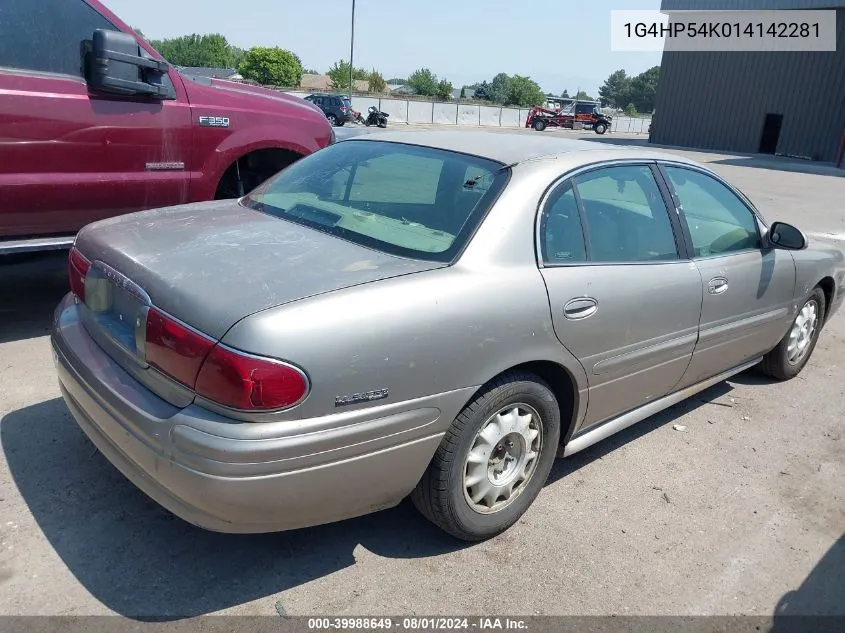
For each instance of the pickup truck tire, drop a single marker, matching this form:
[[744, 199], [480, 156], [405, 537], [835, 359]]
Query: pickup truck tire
[[249, 171], [539, 125]]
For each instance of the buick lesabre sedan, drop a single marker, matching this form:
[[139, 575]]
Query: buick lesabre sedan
[[435, 314]]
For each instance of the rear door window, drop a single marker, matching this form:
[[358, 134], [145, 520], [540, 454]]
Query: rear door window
[[47, 35], [561, 233], [627, 219]]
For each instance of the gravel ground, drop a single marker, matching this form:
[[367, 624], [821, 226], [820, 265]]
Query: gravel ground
[[741, 512]]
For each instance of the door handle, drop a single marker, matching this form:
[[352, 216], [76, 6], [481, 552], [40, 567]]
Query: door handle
[[580, 308], [717, 285]]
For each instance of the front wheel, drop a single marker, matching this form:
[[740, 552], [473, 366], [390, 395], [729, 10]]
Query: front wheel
[[539, 125], [600, 128], [493, 460], [332, 119], [794, 350]]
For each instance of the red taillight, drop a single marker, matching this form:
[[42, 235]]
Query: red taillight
[[77, 268], [249, 383], [217, 373], [174, 348]]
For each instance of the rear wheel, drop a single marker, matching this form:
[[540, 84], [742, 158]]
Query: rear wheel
[[493, 460], [794, 350], [332, 119], [539, 125]]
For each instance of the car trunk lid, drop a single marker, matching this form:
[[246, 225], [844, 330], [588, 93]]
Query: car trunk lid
[[208, 265], [211, 264]]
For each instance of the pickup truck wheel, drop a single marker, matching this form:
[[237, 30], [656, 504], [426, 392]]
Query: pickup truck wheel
[[249, 171], [539, 125], [493, 460], [600, 128], [332, 119], [795, 348]]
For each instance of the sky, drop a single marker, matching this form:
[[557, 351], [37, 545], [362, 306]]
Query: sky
[[562, 45]]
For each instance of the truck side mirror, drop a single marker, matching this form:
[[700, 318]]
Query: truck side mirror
[[116, 66]]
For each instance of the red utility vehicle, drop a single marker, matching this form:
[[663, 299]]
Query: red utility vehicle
[[94, 123], [582, 113]]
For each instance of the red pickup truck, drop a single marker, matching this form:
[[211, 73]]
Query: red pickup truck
[[94, 123]]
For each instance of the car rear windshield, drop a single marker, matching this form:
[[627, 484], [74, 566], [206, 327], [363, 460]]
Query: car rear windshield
[[405, 200]]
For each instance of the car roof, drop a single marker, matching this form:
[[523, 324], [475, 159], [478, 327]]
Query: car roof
[[510, 149]]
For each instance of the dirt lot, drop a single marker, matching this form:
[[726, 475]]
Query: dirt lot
[[741, 512]]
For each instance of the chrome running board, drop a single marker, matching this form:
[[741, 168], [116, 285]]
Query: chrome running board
[[606, 429]]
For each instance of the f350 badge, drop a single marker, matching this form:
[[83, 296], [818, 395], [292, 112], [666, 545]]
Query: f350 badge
[[214, 121]]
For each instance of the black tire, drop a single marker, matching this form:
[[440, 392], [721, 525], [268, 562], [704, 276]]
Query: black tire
[[332, 119], [600, 128], [776, 363], [539, 125], [383, 124], [440, 494]]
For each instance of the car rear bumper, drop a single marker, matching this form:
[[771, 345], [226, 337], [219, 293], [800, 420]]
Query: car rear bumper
[[212, 472]]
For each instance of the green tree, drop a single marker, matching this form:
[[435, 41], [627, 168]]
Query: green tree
[[631, 109], [616, 89], [236, 57], [205, 51], [445, 90], [499, 88], [310, 71], [423, 82], [397, 81], [339, 74], [643, 89], [583, 96], [565, 94], [464, 92], [524, 92], [377, 82], [272, 66], [481, 91]]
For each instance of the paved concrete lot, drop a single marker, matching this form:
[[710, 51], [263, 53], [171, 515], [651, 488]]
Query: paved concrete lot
[[743, 511]]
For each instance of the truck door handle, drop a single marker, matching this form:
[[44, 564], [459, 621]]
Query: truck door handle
[[717, 285], [580, 308]]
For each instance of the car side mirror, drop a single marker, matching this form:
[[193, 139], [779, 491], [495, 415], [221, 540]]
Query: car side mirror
[[116, 65], [787, 237]]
